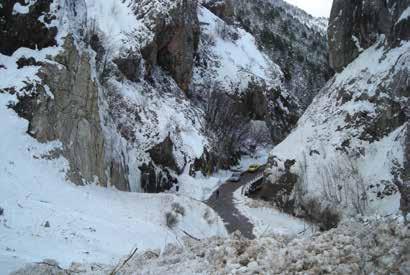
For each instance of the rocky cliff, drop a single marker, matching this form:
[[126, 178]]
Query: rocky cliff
[[355, 26], [352, 142]]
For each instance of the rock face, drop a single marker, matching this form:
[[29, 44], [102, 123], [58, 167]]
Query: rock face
[[356, 25], [406, 174], [71, 115], [14, 32], [154, 180], [175, 42]]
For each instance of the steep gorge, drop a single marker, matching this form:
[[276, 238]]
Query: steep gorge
[[90, 95]]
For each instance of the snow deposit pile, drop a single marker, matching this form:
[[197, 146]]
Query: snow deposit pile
[[375, 246]]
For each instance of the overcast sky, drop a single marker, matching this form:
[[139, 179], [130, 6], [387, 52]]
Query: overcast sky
[[314, 7]]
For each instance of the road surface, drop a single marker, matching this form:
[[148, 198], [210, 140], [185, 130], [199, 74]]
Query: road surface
[[225, 207]]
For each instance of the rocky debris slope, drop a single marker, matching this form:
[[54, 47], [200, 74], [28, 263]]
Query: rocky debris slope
[[375, 246], [350, 145]]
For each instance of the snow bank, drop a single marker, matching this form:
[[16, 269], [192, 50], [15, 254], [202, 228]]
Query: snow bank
[[366, 247], [267, 220]]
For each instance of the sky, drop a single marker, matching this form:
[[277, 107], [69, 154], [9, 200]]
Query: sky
[[314, 7]]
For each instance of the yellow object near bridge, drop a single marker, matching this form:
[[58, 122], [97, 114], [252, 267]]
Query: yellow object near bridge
[[253, 168]]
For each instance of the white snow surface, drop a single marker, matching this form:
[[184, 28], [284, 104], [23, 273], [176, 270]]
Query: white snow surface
[[20, 9], [267, 220], [115, 19]]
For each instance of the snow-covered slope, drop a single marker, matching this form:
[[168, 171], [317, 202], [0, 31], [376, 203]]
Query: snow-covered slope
[[44, 212], [233, 57], [330, 142], [349, 151], [45, 216]]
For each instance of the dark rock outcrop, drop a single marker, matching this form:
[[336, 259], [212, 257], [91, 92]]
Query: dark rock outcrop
[[129, 65], [356, 25], [162, 154], [22, 62], [210, 162], [223, 9], [270, 105], [175, 42], [14, 30], [155, 180], [280, 191]]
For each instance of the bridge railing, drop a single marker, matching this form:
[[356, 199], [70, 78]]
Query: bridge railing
[[249, 186]]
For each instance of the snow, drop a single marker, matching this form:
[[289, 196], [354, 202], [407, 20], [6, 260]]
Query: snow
[[23, 9], [323, 128], [260, 157], [13, 77], [349, 249], [87, 224], [372, 66], [114, 18], [267, 220], [198, 187], [405, 15], [235, 61]]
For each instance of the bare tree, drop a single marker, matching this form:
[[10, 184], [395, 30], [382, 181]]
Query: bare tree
[[342, 184]]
